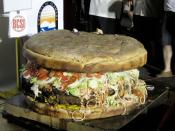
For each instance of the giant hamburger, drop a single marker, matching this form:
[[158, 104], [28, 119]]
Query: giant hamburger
[[83, 75]]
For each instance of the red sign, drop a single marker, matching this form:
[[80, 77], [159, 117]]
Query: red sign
[[18, 23]]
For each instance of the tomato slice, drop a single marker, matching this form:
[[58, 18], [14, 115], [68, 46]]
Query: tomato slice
[[30, 72], [42, 74], [64, 78], [42, 77], [58, 74], [89, 75], [97, 75]]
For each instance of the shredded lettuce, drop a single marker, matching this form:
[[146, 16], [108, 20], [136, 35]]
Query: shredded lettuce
[[110, 101], [33, 80], [22, 68], [76, 88], [74, 91], [57, 83], [92, 83]]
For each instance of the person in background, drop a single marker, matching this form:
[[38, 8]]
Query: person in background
[[169, 8], [167, 50], [126, 19], [105, 15], [147, 29]]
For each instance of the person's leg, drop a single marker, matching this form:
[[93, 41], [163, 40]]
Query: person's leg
[[167, 53], [167, 49], [170, 28], [154, 46], [93, 24], [138, 28], [107, 25]]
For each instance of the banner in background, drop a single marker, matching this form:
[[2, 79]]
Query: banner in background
[[43, 16], [14, 5]]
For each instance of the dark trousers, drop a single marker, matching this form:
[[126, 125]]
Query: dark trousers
[[148, 31], [107, 25]]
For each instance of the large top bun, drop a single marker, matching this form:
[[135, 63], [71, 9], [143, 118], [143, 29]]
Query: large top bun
[[84, 52]]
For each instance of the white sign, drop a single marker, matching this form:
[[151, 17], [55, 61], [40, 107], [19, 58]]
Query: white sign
[[44, 15], [17, 24], [14, 5]]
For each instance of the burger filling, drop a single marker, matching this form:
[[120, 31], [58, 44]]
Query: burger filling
[[83, 89]]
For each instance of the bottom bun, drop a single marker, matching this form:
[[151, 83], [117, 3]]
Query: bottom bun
[[79, 113]]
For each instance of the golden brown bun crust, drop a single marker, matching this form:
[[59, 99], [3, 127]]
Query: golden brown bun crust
[[84, 52], [80, 114]]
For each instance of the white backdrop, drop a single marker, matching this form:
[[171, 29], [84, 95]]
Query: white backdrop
[[44, 15], [12, 5]]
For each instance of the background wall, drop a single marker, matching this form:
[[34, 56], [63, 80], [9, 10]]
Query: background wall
[[7, 55]]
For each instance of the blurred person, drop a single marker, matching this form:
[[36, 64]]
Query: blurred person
[[105, 15], [146, 19], [169, 8], [167, 50], [126, 20], [147, 29]]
